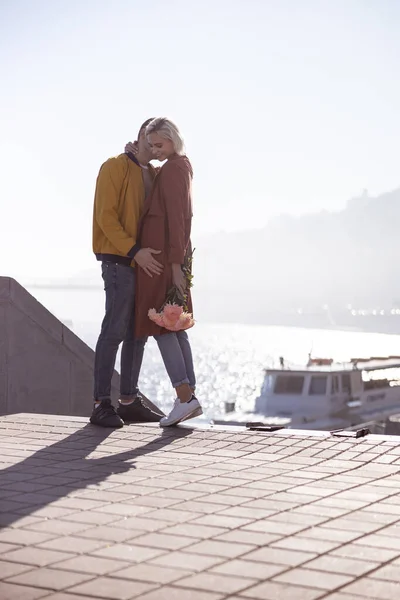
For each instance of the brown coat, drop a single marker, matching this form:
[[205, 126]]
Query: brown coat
[[165, 225]]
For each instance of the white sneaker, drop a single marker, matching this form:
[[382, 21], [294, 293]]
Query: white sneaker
[[182, 411]]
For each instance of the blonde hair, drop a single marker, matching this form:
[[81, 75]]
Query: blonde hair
[[168, 130]]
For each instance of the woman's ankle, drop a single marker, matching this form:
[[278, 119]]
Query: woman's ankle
[[184, 392]]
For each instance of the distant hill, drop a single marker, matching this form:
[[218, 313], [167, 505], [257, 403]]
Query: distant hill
[[336, 258]]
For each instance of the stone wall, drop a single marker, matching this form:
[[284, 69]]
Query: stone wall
[[44, 366]]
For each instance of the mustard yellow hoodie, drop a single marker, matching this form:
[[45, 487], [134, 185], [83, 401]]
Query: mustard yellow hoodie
[[118, 204]]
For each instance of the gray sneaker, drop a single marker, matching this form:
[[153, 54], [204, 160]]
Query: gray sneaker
[[138, 412], [105, 415]]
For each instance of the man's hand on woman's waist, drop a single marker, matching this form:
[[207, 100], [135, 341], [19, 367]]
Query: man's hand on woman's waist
[[144, 258]]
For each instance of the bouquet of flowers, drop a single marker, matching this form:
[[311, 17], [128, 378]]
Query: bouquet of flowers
[[173, 314]]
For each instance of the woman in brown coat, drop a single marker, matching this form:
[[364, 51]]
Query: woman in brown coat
[[165, 226]]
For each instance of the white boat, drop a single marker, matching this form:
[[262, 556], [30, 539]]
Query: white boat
[[326, 395]]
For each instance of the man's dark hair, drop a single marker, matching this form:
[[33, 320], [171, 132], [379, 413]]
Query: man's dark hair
[[144, 125]]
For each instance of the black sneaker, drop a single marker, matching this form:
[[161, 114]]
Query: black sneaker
[[138, 412], [105, 415]]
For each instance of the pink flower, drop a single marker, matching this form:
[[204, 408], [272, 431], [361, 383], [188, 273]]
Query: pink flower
[[156, 317], [172, 318], [169, 323], [172, 311], [171, 314], [186, 321]]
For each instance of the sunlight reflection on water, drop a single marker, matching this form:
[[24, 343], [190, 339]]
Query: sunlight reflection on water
[[230, 359]]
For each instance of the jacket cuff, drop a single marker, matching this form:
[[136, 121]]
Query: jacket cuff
[[133, 251]]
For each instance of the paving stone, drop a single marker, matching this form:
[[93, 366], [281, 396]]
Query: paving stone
[[215, 582], [163, 541], [278, 556], [34, 556], [390, 509], [65, 596], [178, 494], [32, 499], [23, 537], [195, 531], [7, 547], [154, 501], [330, 535], [71, 544], [122, 509], [52, 512], [272, 591], [246, 512], [51, 579], [274, 527], [246, 568], [374, 588], [112, 589], [273, 506], [173, 516], [296, 542], [368, 553], [186, 561], [243, 536], [315, 579], [392, 530], [351, 524], [329, 512], [109, 534], [129, 552], [151, 573], [169, 593], [17, 521], [216, 548], [58, 527], [299, 519], [89, 518], [221, 521], [337, 564], [78, 504], [103, 496], [9, 591], [89, 564], [233, 496], [8, 569], [388, 572], [340, 596], [141, 522], [380, 541]]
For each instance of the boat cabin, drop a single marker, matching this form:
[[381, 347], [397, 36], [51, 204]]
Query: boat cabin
[[323, 387]]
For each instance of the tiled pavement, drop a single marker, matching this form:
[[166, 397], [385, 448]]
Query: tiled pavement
[[187, 514]]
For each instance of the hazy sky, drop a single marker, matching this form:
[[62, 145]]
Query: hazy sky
[[286, 106]]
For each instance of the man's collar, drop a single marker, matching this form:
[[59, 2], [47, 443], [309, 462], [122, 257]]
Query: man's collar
[[133, 158]]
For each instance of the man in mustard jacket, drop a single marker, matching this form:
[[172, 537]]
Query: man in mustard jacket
[[122, 185]]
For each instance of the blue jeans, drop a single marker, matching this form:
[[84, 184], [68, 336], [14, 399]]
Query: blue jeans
[[118, 327], [177, 356]]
